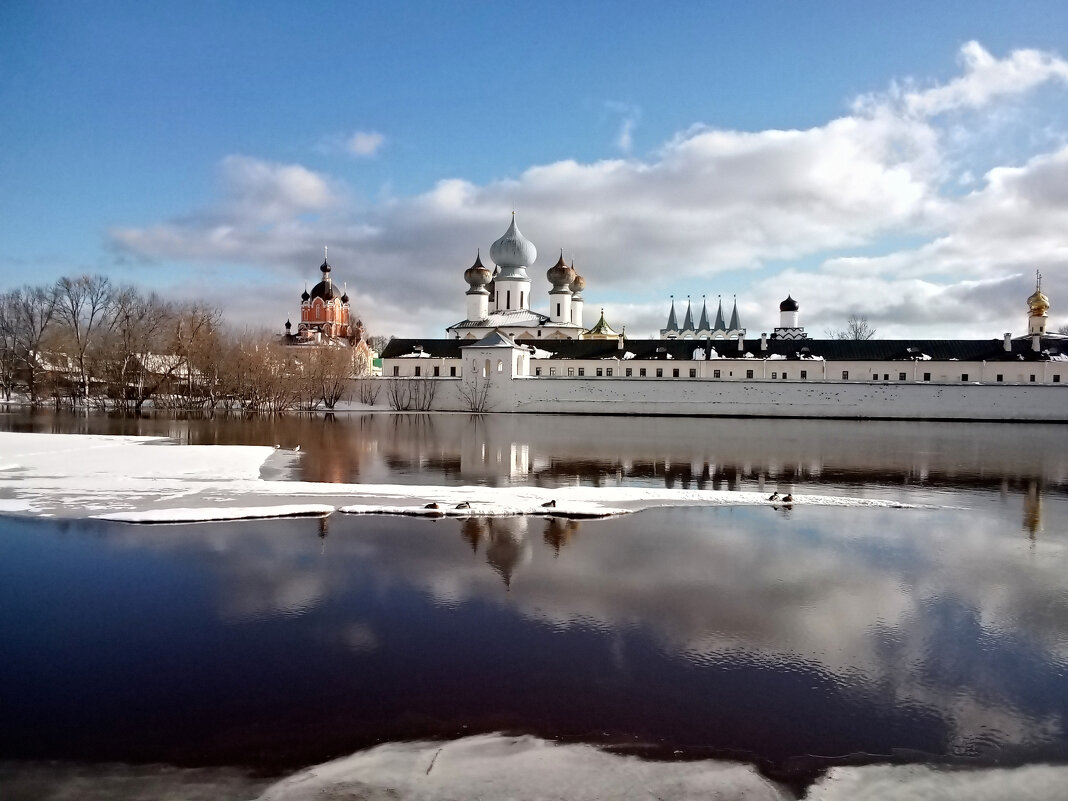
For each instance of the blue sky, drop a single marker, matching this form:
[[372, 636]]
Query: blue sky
[[860, 156]]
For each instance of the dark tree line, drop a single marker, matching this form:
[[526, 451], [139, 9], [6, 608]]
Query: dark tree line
[[87, 342]]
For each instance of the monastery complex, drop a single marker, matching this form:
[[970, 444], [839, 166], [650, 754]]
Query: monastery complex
[[506, 356]]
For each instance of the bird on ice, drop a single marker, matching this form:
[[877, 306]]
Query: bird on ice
[[464, 505], [431, 506], [550, 504], [773, 497], [788, 499]]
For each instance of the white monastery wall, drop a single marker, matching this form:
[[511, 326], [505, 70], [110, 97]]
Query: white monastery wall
[[790, 398]]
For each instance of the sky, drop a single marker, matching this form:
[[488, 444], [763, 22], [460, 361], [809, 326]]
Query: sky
[[906, 162]]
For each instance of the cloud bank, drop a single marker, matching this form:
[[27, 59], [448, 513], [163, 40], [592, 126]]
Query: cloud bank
[[864, 214]]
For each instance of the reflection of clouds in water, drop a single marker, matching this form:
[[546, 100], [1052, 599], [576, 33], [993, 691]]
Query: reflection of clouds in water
[[920, 608]]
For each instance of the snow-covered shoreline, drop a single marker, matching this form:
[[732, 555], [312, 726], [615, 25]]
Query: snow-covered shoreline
[[153, 480]]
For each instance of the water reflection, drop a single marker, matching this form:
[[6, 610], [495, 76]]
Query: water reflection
[[830, 632], [673, 452]]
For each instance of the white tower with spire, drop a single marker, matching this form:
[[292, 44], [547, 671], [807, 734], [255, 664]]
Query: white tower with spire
[[513, 253]]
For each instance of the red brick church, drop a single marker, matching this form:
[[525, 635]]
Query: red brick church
[[324, 315]]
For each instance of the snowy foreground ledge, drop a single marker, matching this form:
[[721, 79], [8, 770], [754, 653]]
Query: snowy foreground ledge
[[493, 767], [152, 480]]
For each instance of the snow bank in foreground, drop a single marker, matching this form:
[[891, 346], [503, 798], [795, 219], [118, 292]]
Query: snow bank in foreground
[[493, 766], [146, 479]]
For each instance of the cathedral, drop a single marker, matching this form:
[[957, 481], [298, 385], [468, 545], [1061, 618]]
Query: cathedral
[[324, 315], [500, 300]]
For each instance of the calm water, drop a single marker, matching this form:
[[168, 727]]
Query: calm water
[[788, 637]]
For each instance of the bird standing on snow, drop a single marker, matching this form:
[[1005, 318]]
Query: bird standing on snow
[[431, 506], [773, 497], [464, 505], [550, 504], [788, 499]]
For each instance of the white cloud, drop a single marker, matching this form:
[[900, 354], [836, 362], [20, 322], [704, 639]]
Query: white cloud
[[365, 143], [865, 206]]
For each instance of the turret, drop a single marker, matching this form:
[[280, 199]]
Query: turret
[[561, 276], [788, 312], [1037, 309], [513, 253], [576, 296], [477, 277]]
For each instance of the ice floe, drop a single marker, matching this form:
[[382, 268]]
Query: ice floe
[[148, 479]]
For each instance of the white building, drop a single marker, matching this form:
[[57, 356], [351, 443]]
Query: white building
[[501, 300], [514, 359]]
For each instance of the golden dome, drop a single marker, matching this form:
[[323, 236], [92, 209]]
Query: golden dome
[[1038, 303]]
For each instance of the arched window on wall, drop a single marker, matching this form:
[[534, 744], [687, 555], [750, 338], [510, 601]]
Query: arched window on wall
[[486, 369], [500, 366]]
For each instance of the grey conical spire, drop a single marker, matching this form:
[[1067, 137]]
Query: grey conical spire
[[720, 326], [687, 323], [672, 323], [703, 325], [736, 324]]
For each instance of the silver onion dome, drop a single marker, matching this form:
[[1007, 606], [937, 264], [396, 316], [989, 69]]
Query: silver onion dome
[[513, 249]]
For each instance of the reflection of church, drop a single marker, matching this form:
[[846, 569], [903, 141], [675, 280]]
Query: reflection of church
[[505, 538]]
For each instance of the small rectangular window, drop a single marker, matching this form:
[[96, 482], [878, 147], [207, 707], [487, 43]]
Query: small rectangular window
[[886, 376], [630, 372], [900, 376], [875, 377], [1001, 377], [418, 369], [582, 371], [748, 373], [775, 374], [926, 376], [557, 309], [1032, 378], [452, 371], [641, 372], [537, 371], [552, 371], [608, 372], [784, 374], [963, 376], [659, 372], [396, 370], [675, 372], [715, 373], [845, 375], [570, 372], [693, 372], [804, 374], [1057, 378], [437, 371], [600, 372]]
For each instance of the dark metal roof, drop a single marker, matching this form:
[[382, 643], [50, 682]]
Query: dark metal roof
[[326, 290], [831, 349]]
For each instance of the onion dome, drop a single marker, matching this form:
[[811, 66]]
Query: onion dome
[[789, 305], [324, 268], [578, 284], [560, 275], [1038, 303], [326, 290], [513, 249], [288, 326], [304, 296], [345, 297], [477, 275]]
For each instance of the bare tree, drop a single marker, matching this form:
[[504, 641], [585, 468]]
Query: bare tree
[[83, 306], [328, 373], [857, 328], [141, 357], [1063, 329], [377, 342], [474, 391], [26, 319], [196, 341]]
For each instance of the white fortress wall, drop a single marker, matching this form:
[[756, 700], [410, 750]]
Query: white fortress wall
[[932, 400]]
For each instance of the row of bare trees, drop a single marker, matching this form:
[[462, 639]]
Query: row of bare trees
[[87, 342]]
